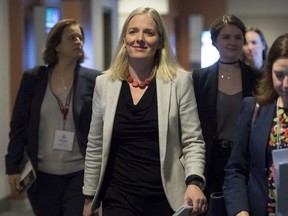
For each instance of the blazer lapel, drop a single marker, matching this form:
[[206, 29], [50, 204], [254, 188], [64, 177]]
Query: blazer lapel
[[163, 103], [210, 90], [40, 89], [261, 131], [212, 80], [112, 90], [78, 94]]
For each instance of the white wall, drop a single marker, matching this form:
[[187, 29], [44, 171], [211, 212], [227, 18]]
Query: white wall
[[98, 6], [270, 17], [4, 95]]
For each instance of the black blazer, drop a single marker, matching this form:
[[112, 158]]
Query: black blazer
[[205, 82], [246, 185], [26, 114]]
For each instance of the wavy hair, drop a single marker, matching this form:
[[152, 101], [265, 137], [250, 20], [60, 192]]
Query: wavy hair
[[165, 64]]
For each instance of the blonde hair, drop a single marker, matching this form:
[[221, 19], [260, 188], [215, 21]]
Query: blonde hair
[[165, 64]]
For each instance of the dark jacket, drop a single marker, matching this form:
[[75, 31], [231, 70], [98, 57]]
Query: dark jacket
[[25, 119], [246, 185], [205, 82]]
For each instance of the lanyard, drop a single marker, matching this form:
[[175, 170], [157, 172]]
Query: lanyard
[[63, 108], [278, 129]]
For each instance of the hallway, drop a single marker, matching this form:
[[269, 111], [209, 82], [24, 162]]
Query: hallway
[[17, 208]]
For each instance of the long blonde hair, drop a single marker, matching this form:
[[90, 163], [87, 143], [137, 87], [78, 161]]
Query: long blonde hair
[[165, 63]]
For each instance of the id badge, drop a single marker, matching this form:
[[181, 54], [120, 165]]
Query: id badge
[[63, 140]]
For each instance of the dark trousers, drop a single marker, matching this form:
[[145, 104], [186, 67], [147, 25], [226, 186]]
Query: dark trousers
[[216, 174], [58, 195], [120, 203]]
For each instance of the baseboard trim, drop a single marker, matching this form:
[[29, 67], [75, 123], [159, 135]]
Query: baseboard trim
[[4, 204], [8, 204]]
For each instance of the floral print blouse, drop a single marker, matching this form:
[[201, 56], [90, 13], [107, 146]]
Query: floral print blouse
[[278, 139]]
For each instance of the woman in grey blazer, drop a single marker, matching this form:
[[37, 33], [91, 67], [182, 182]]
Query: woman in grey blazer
[[145, 151]]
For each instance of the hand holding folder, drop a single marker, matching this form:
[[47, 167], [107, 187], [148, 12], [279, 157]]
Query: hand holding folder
[[280, 160], [28, 175]]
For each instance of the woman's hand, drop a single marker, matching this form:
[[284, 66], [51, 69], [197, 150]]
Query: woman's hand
[[87, 208], [243, 213], [195, 196], [14, 181]]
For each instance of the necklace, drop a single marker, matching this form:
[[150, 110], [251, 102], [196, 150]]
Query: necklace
[[234, 62], [137, 84], [64, 82], [227, 77], [61, 77]]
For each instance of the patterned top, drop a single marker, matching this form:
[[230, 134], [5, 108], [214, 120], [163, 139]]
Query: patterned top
[[278, 139]]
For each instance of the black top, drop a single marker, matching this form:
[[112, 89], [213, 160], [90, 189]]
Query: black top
[[228, 110], [134, 161]]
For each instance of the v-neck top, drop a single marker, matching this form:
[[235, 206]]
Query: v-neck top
[[228, 110], [134, 162], [51, 160]]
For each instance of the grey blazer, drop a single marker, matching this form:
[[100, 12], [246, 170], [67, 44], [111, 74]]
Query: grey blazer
[[181, 144]]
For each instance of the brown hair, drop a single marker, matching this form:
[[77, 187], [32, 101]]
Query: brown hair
[[266, 92], [54, 37], [263, 40], [220, 22]]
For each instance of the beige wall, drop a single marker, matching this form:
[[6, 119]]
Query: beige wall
[[269, 16], [180, 11]]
